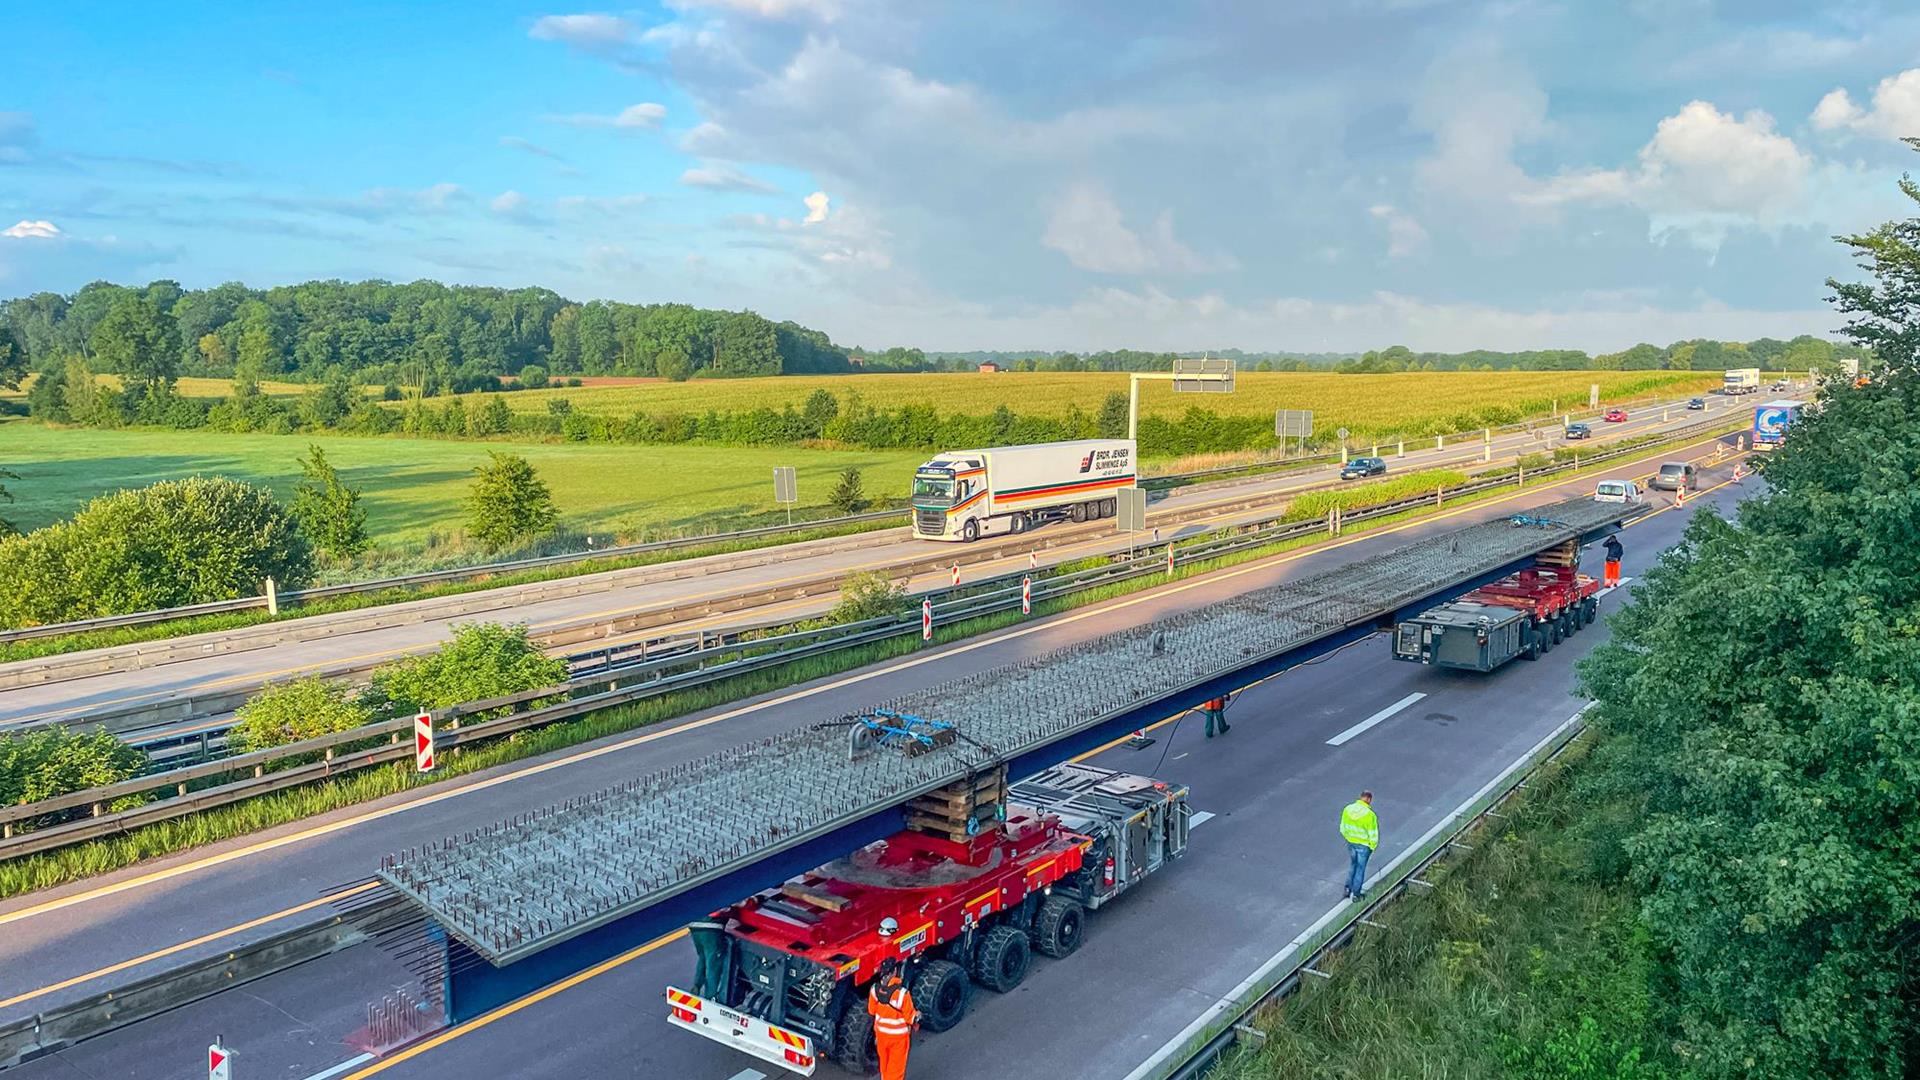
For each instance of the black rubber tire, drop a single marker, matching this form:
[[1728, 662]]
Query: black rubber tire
[[853, 1047], [1109, 507], [1533, 649], [971, 530], [1593, 609], [1017, 523], [940, 992], [1002, 958], [1078, 512], [1059, 926]]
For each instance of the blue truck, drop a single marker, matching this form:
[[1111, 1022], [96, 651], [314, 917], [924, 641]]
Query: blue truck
[[1771, 420]]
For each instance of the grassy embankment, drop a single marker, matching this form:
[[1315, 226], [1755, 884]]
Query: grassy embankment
[[1526, 961], [51, 868]]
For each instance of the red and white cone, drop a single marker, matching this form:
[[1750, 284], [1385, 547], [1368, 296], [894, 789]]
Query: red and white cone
[[1680, 494], [1140, 740], [956, 573]]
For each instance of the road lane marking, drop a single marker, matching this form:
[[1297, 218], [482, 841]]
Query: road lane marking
[[1200, 818], [171, 949], [342, 1067], [1342, 738], [748, 1074], [519, 773]]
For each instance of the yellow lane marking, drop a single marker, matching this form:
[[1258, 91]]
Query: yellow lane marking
[[942, 653], [171, 949], [605, 966]]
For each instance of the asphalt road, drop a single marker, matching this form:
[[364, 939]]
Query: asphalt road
[[1265, 866], [75, 698]]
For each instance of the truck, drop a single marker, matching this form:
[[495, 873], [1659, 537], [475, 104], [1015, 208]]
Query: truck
[[1741, 381], [966, 494], [1522, 615], [783, 975], [1771, 420]]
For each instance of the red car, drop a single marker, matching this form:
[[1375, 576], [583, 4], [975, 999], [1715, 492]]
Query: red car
[[1615, 416]]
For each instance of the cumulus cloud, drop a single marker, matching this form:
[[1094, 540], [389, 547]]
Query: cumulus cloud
[[1405, 235], [725, 178], [642, 117], [509, 203], [1894, 110], [595, 33], [816, 208], [824, 10], [1086, 226], [39, 230]]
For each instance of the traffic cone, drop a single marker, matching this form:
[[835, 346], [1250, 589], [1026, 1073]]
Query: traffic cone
[[1139, 740], [1680, 494]]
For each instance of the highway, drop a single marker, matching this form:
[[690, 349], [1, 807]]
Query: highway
[[1266, 864], [686, 586]]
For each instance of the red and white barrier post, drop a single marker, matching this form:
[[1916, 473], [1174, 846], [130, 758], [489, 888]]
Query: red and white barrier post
[[1026, 596], [926, 620], [956, 573]]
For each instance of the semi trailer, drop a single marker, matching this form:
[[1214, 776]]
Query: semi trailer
[[1771, 420], [1524, 614], [1740, 381], [783, 975], [966, 494]]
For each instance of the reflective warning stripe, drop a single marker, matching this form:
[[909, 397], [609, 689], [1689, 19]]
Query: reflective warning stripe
[[788, 1037], [681, 997]]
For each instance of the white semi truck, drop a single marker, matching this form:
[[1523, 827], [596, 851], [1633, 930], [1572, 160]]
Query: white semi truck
[[1744, 380], [967, 494]]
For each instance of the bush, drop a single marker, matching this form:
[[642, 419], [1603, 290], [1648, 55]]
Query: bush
[[847, 496], [483, 660], [533, 377], [55, 761], [289, 712], [508, 502], [867, 595], [329, 511], [176, 542]]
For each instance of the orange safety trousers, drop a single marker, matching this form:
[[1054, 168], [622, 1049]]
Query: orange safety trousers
[[893, 1056], [893, 1019], [1613, 572]]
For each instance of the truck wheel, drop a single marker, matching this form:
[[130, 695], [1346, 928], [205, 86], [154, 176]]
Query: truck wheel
[[1533, 649], [1058, 926], [1002, 960], [971, 530], [1109, 507], [1592, 608], [1017, 523], [1078, 512], [940, 992], [853, 1040]]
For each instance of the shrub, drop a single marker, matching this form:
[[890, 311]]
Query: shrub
[[289, 712], [173, 543], [508, 502], [56, 760], [482, 660], [847, 496], [329, 511], [867, 595], [533, 377]]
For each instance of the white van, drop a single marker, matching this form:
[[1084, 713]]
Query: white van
[[1616, 491]]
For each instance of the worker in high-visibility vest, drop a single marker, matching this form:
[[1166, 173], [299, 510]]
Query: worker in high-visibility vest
[[894, 1020], [1360, 828], [1216, 710], [1614, 553]]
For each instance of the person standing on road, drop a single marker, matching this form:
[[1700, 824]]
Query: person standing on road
[[1216, 710], [1614, 552], [1360, 828], [894, 1020]]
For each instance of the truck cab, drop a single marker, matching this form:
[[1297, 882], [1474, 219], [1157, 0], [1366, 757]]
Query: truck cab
[[947, 486]]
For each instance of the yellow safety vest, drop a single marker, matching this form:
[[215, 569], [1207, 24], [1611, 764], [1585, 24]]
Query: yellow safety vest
[[1360, 825]]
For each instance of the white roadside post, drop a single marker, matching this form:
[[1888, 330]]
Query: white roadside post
[[1486, 445], [219, 1061], [273, 597], [423, 750]]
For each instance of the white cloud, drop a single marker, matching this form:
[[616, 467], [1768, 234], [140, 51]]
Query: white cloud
[[824, 10], [816, 208], [600, 204], [1087, 227], [1405, 235], [510, 203], [725, 178], [1478, 107], [644, 116], [1894, 112], [591, 33], [515, 142], [440, 196], [37, 230]]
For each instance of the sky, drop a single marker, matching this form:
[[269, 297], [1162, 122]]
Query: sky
[[1028, 174]]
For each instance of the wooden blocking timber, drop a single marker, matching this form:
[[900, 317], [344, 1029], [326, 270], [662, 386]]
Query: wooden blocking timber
[[962, 808], [1565, 554]]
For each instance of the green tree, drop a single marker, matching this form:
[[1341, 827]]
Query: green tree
[[481, 661], [533, 377], [1113, 416], [1884, 314], [288, 712], [137, 340], [47, 396], [508, 502], [7, 527], [83, 399], [847, 496], [54, 761], [819, 411], [329, 512]]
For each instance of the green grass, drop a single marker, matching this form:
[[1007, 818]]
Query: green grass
[[46, 869], [1526, 961], [413, 488]]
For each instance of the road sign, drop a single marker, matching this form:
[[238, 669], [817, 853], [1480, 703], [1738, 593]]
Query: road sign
[[1341, 433], [1292, 423], [926, 620], [1131, 514], [786, 489], [1026, 596], [423, 742], [219, 1062], [1202, 375]]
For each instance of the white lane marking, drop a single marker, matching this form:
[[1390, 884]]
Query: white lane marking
[[1182, 754], [1610, 588], [342, 1067], [1374, 719], [748, 1074], [1199, 818]]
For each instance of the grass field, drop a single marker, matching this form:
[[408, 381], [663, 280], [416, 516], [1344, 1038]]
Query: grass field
[[413, 487], [1362, 403]]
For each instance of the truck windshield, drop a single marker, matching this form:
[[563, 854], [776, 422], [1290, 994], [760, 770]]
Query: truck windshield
[[924, 488]]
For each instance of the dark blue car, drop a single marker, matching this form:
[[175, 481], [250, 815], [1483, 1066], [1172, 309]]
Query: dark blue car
[[1363, 466]]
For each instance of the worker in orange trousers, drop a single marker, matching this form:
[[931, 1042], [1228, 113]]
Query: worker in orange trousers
[[1614, 552], [894, 1021]]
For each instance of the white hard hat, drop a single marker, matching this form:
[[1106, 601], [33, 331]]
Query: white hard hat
[[889, 927]]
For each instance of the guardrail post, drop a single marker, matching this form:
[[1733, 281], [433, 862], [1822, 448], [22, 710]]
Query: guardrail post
[[273, 598], [99, 809], [1376, 449], [1439, 496], [1486, 450], [1402, 452], [1439, 442]]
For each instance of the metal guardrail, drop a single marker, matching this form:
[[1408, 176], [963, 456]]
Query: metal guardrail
[[627, 683], [1196, 1049], [485, 570]]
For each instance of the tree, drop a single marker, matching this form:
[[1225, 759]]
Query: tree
[[82, 397], [54, 761], [1884, 314], [508, 502], [819, 411], [533, 377], [288, 712], [1113, 416], [213, 350], [483, 660], [867, 595], [136, 339], [7, 527], [847, 496], [328, 510], [47, 396]]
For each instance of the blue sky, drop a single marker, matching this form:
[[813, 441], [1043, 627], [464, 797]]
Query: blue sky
[[987, 174]]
